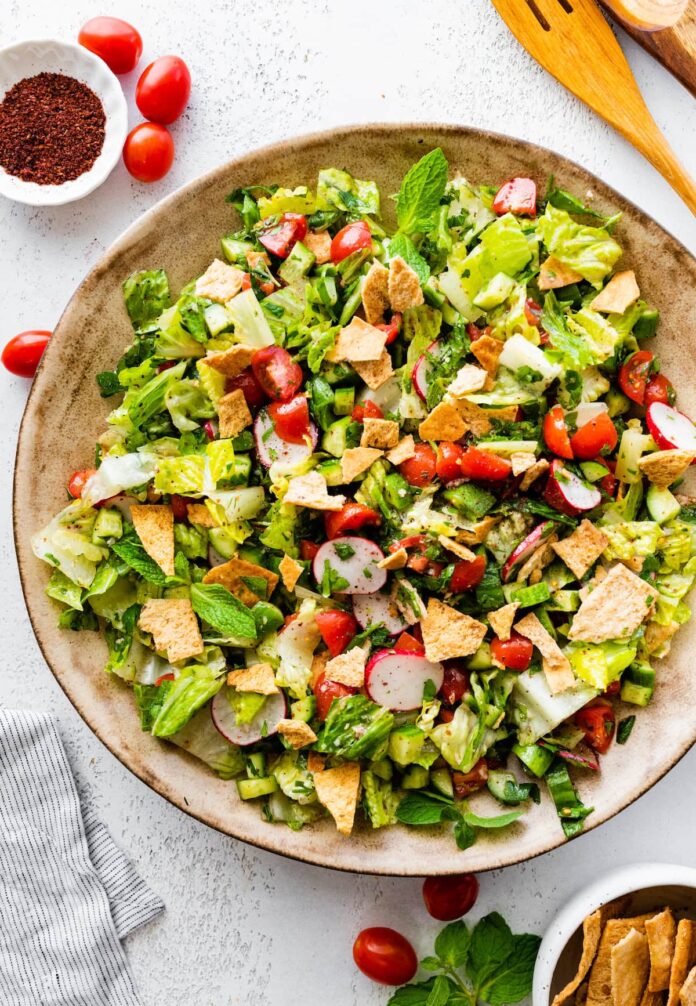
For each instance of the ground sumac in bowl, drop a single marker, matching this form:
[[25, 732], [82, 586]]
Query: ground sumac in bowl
[[51, 129]]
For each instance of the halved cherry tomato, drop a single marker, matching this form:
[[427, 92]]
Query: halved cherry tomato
[[163, 90], [406, 643], [556, 433], [449, 456], [477, 464], [467, 573], [308, 549], [385, 956], [519, 196], [514, 653], [633, 376], [23, 352], [280, 238], [659, 389], [455, 683], [277, 373], [533, 312], [179, 505], [254, 394], [466, 783], [614, 688], [337, 628], [291, 419], [392, 328], [148, 152], [325, 691], [418, 541], [113, 40], [609, 483], [349, 239], [420, 470], [598, 722], [78, 480], [366, 410], [593, 437], [351, 517], [448, 898], [164, 677]]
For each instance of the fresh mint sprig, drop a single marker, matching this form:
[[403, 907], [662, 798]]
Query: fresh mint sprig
[[421, 191]]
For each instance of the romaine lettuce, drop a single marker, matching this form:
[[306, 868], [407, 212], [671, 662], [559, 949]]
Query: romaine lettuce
[[591, 251]]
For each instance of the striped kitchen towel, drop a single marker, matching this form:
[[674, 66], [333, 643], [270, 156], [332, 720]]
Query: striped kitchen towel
[[68, 895]]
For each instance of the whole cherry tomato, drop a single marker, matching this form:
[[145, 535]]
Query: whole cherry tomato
[[659, 389], [351, 517], [291, 419], [23, 352], [78, 481], [113, 40], [448, 898], [366, 410], [385, 956], [455, 683], [420, 470], [326, 691], [280, 238], [392, 328], [633, 376], [276, 372], [519, 196], [514, 653], [477, 464], [308, 550], [148, 152], [598, 722], [467, 573], [349, 239], [593, 437], [556, 433], [448, 466], [254, 394], [163, 90], [337, 628]]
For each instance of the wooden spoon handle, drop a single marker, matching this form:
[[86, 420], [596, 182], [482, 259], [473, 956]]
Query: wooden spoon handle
[[648, 15], [655, 148]]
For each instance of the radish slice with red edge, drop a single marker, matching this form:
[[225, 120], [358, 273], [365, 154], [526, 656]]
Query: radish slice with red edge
[[272, 448], [373, 609], [421, 368], [526, 547], [357, 569], [670, 428], [263, 724], [567, 493], [396, 679]]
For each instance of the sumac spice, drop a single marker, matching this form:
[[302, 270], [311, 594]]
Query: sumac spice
[[51, 129]]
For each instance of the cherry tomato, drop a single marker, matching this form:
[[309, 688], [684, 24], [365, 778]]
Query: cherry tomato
[[385, 956], [254, 394], [614, 688], [163, 90], [593, 437], [477, 464], [113, 40], [514, 653], [533, 312], [466, 783], [350, 239], [455, 683], [351, 517], [406, 643], [598, 722], [280, 238], [448, 898], [659, 389], [291, 419], [148, 152], [421, 468], [164, 677], [23, 352], [392, 328], [633, 376], [609, 483], [179, 505], [337, 628], [418, 541], [276, 372], [78, 480], [308, 550], [326, 691], [556, 433], [366, 410], [448, 466], [467, 573], [519, 196]]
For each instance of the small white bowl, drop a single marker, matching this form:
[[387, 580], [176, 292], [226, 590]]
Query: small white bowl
[[652, 886], [26, 59]]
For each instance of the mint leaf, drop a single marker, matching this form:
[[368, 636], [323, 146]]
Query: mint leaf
[[402, 246], [499, 821], [492, 943], [440, 992], [452, 944], [421, 191], [464, 834], [512, 981], [215, 605], [430, 963], [131, 551], [418, 994], [419, 809]]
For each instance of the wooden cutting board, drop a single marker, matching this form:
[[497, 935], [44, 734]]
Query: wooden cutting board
[[674, 47]]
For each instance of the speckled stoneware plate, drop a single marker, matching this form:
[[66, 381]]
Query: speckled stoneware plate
[[65, 413]]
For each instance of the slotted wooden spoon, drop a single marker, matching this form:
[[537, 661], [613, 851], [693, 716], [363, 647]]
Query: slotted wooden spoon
[[573, 42]]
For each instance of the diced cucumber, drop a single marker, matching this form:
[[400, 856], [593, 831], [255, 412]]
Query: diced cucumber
[[216, 318], [481, 660], [497, 781], [527, 597], [236, 251], [557, 575], [297, 264], [638, 684], [109, 524], [326, 288], [221, 542], [415, 777], [661, 504], [304, 709], [617, 402], [564, 600], [334, 440], [470, 500], [244, 441], [383, 769], [405, 744], [505, 448], [250, 789], [252, 553], [646, 326], [494, 292], [256, 765], [593, 471], [351, 305], [633, 444], [344, 401], [534, 758], [267, 616], [441, 780], [332, 472], [432, 296], [636, 695]]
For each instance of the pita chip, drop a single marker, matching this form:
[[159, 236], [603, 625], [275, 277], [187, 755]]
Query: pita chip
[[581, 549], [290, 571], [220, 282], [665, 467], [375, 373], [661, 931], [615, 608], [456, 548], [319, 243], [230, 362], [297, 733], [358, 342], [231, 575], [533, 473], [599, 992], [154, 525], [630, 964], [379, 433], [443, 423], [468, 379], [403, 286], [617, 296], [448, 633], [348, 668], [522, 461], [312, 491], [502, 619], [234, 413], [554, 274], [395, 560], [684, 959], [478, 420], [592, 928], [174, 627], [258, 678], [404, 450], [375, 294], [479, 532], [487, 350], [687, 996], [315, 762], [557, 670], [356, 460], [338, 790]]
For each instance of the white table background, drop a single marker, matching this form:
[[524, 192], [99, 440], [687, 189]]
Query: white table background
[[243, 926]]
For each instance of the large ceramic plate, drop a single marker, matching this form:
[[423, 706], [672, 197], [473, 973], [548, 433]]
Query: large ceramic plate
[[64, 414]]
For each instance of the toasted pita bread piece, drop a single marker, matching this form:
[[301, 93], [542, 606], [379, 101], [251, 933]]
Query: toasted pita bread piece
[[443, 423], [522, 461], [234, 413], [379, 433], [338, 790], [231, 575], [198, 513], [617, 296], [375, 373], [230, 362], [312, 491], [661, 931], [290, 570], [358, 342], [479, 421], [687, 996], [630, 964], [174, 627], [533, 473], [683, 960], [448, 633], [220, 282], [615, 608], [395, 560], [403, 286], [557, 670], [487, 351], [297, 733], [405, 449], [665, 467], [468, 379], [375, 294], [357, 460], [554, 274], [592, 929], [479, 532], [319, 243], [348, 668], [456, 548], [581, 549], [599, 992], [315, 762], [258, 678], [502, 619], [154, 526]]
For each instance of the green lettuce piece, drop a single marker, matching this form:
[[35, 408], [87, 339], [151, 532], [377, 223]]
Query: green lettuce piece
[[62, 588], [120, 639], [250, 323], [600, 335], [173, 341], [290, 772], [570, 345], [420, 327], [299, 200], [281, 533], [467, 205], [200, 738], [511, 319], [146, 294], [379, 799], [464, 740], [629, 539], [677, 545], [338, 189], [147, 401], [600, 664], [591, 251], [504, 248], [66, 543], [184, 475], [187, 404], [150, 700], [192, 541], [115, 602], [187, 694], [354, 728], [212, 381]]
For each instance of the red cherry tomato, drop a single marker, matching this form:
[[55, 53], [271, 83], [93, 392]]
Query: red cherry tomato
[[385, 956], [349, 239], [466, 783], [556, 433], [477, 464], [308, 550], [598, 722], [533, 312], [519, 196], [455, 683], [280, 238], [392, 328], [23, 352], [420, 470], [613, 689], [113, 40], [418, 541], [337, 628], [254, 394], [659, 389], [78, 480], [163, 90], [366, 410], [609, 483], [593, 437], [326, 691], [448, 466], [406, 643], [351, 517], [467, 574], [276, 372], [291, 419], [514, 653], [164, 677], [633, 376], [448, 898], [179, 505], [148, 152]]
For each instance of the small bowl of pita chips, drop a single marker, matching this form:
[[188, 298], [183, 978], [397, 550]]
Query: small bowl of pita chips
[[628, 940]]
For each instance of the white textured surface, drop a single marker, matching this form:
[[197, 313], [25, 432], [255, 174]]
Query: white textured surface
[[246, 927]]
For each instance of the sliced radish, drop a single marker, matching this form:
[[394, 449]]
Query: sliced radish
[[263, 724], [421, 369], [373, 609], [359, 569], [526, 548], [271, 447], [397, 679], [297, 641], [214, 557], [566, 492], [123, 503], [670, 428], [586, 411]]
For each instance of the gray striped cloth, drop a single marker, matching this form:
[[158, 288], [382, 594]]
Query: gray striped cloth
[[68, 895]]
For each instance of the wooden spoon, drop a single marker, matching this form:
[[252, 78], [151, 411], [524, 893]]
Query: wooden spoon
[[573, 42], [648, 15]]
